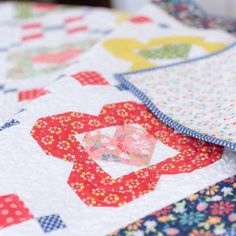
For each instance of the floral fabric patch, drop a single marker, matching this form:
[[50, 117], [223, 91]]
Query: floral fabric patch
[[209, 212], [129, 144], [56, 136], [189, 13]]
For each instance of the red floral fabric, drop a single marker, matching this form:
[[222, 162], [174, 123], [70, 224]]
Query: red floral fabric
[[56, 136]]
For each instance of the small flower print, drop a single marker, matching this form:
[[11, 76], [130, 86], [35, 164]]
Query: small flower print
[[212, 190], [200, 233], [172, 231], [196, 215], [150, 224], [48, 140], [219, 231], [227, 191], [128, 145], [216, 198], [214, 220], [191, 218], [137, 233], [142, 146], [135, 226], [164, 219], [201, 206], [221, 208], [180, 207], [232, 217], [193, 197], [164, 211]]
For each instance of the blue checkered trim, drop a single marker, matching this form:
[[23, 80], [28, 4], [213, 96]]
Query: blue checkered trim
[[121, 87], [164, 118], [51, 222], [9, 124]]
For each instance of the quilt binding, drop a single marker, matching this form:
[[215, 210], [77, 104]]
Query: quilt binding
[[166, 119]]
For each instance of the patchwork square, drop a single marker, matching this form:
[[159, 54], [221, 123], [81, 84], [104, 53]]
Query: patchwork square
[[90, 78], [13, 211], [51, 222], [140, 19], [31, 94]]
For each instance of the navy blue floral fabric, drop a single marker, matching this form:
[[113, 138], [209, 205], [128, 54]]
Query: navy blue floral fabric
[[189, 13], [209, 212]]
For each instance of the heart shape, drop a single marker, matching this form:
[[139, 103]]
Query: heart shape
[[128, 144], [56, 136]]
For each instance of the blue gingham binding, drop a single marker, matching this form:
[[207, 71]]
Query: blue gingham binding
[[164, 118]]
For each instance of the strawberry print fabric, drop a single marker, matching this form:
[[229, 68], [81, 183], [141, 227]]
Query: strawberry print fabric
[[201, 98]]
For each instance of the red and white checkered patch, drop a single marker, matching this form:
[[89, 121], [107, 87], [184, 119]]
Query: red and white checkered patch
[[31, 31], [90, 78], [32, 94]]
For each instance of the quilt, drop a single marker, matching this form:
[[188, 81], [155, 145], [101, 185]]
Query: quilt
[[49, 45], [100, 159], [43, 46], [88, 158]]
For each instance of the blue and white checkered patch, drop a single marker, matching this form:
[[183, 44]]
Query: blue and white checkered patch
[[51, 223]]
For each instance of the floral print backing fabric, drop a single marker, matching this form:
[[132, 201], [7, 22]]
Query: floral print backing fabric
[[191, 14], [209, 212]]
